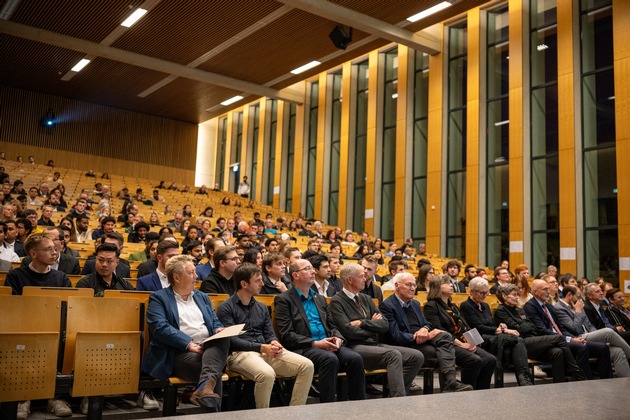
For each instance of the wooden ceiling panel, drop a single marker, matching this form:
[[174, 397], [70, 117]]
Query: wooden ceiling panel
[[293, 40], [198, 25], [390, 12], [89, 20]]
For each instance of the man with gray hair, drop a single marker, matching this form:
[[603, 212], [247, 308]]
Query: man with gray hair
[[361, 324], [409, 328]]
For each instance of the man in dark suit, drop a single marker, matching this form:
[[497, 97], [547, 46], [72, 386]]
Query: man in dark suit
[[408, 327], [123, 270], [66, 239], [65, 263], [372, 280], [619, 314], [323, 284], [305, 327], [544, 316], [10, 239], [158, 280], [597, 311]]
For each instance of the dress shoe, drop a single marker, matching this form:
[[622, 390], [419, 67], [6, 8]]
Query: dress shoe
[[524, 378], [457, 386], [578, 375]]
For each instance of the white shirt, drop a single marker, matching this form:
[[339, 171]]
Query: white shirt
[[33, 202], [163, 278], [322, 289], [8, 254], [85, 236], [243, 188], [191, 320], [389, 285]]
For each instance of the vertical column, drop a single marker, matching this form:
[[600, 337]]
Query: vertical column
[[515, 102], [434, 150], [298, 157], [227, 151], [262, 130], [403, 114], [245, 142], [277, 176], [370, 168], [621, 53], [346, 91], [566, 137], [472, 138], [322, 132]]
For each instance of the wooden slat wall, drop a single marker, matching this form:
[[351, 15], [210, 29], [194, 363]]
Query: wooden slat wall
[[89, 136]]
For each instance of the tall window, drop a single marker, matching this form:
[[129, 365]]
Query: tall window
[[497, 128], [254, 150], [271, 150], [335, 144], [360, 147], [456, 160], [220, 170], [599, 147], [290, 154], [545, 199], [235, 150], [420, 134], [312, 150], [388, 181]]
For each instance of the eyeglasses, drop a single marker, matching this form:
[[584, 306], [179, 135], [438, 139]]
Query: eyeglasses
[[410, 285], [307, 268], [235, 259], [482, 293]]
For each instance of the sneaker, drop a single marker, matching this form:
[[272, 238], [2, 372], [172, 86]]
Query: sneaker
[[539, 373], [457, 386], [23, 410], [84, 405], [59, 408], [147, 401], [415, 387]]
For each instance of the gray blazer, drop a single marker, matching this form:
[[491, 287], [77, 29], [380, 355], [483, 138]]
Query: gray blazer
[[572, 321]]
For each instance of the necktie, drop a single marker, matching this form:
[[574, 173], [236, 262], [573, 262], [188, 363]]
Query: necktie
[[356, 300], [553, 323], [603, 315]]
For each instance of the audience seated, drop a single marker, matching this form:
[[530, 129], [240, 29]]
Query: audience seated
[[220, 279], [166, 249], [105, 278]]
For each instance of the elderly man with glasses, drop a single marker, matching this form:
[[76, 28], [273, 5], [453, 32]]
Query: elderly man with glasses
[[409, 328], [362, 325]]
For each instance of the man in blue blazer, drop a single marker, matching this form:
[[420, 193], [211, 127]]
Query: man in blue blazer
[[544, 316], [175, 351], [409, 328], [158, 280]]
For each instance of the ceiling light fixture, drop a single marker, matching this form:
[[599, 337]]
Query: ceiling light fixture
[[134, 17], [79, 66], [232, 100], [429, 11], [305, 67]]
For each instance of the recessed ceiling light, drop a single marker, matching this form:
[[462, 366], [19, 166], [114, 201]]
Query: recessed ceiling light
[[134, 17], [231, 100], [79, 66], [306, 67], [429, 11]]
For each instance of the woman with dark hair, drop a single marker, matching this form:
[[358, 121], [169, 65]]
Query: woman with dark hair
[[69, 221], [477, 364], [330, 237], [192, 235], [425, 274], [378, 244], [225, 201], [164, 230], [207, 212], [105, 175], [254, 256], [362, 251], [187, 211]]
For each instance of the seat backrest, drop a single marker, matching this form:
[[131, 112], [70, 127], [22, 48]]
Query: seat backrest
[[97, 315], [63, 292], [5, 290], [29, 345]]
